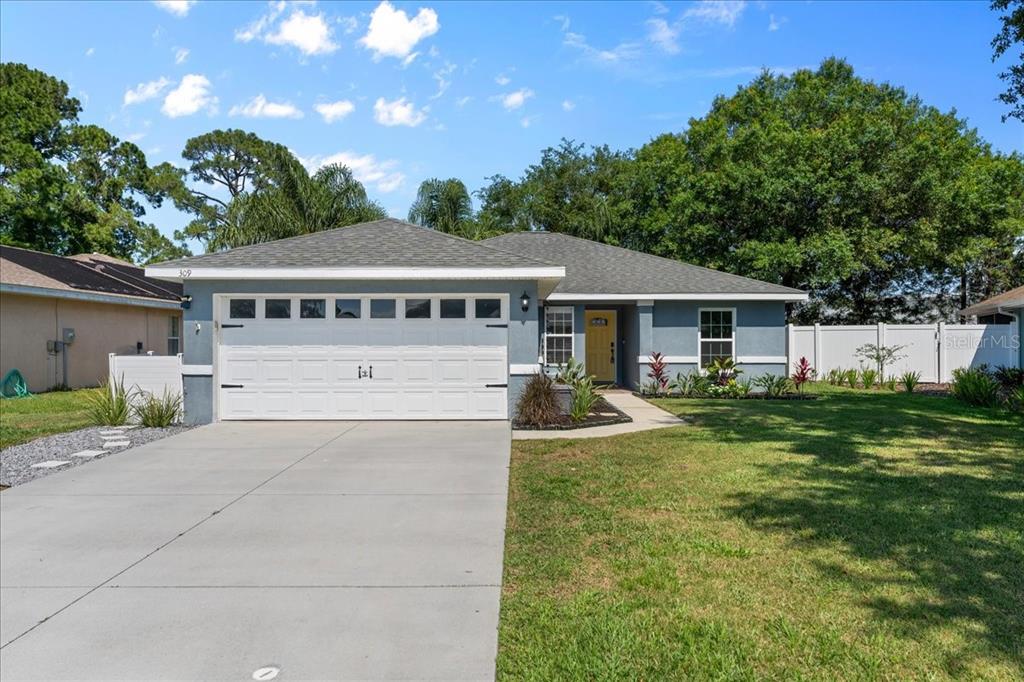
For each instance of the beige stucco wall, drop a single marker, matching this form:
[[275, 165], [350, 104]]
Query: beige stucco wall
[[28, 322]]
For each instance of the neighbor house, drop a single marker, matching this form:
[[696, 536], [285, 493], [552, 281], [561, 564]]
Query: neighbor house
[[68, 314], [1006, 308], [389, 320]]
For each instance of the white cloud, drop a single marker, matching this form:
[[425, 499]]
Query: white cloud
[[393, 34], [525, 121], [568, 105], [145, 91], [774, 24], [399, 112], [348, 24], [463, 101], [178, 8], [620, 53], [502, 79], [725, 12], [259, 107], [90, 52], [443, 78], [135, 137], [515, 99], [309, 33], [664, 35], [659, 7], [335, 111], [180, 55], [366, 168], [193, 94]]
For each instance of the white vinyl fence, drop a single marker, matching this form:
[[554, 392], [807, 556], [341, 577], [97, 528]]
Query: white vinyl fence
[[147, 373], [934, 350]]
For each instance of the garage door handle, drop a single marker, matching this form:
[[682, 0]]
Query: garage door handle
[[232, 386], [231, 326], [495, 385], [371, 371], [501, 326]]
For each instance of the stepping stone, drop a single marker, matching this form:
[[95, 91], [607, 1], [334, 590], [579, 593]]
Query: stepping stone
[[111, 433], [111, 444], [49, 464], [87, 453]]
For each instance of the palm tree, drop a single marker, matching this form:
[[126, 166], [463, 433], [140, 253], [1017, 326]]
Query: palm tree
[[442, 205], [296, 203]]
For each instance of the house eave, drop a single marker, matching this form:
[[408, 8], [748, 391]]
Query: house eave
[[608, 298], [89, 296], [178, 274]]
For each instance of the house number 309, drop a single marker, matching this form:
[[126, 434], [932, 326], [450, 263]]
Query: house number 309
[[185, 272]]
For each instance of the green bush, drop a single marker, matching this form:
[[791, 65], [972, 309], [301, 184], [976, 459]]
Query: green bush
[[570, 372], [869, 377], [975, 387], [538, 405], [651, 389], [774, 386], [910, 380], [890, 383], [584, 396], [834, 376], [690, 385], [1015, 399], [851, 376], [111, 406], [158, 412]]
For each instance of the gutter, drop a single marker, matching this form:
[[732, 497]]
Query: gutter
[[89, 296]]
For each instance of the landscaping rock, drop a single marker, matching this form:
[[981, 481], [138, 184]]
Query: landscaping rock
[[16, 462]]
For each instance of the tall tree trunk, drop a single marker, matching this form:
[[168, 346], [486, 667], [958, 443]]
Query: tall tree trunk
[[963, 288]]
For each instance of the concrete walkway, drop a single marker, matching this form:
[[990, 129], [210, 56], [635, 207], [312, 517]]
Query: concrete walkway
[[327, 550], [645, 417]]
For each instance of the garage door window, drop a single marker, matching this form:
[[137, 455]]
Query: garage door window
[[488, 308], [382, 308], [347, 308], [277, 309], [453, 308], [417, 308], [242, 309], [312, 308]]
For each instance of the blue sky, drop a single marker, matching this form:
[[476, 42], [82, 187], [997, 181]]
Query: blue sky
[[405, 91]]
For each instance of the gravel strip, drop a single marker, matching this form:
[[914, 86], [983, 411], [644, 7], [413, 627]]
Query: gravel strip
[[16, 461]]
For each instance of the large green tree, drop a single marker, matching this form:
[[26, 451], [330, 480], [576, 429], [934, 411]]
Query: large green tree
[[66, 187], [442, 205], [1009, 39], [243, 190]]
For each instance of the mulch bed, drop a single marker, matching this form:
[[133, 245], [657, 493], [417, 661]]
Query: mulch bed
[[604, 413], [932, 389]]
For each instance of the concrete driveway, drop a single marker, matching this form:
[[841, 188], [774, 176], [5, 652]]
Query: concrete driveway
[[327, 550]]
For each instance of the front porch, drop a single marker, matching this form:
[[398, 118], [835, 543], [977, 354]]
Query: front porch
[[604, 337]]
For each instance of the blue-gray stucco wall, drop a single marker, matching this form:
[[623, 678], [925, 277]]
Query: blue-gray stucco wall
[[523, 330]]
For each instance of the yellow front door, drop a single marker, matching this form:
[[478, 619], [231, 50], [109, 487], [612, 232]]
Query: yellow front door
[[600, 338]]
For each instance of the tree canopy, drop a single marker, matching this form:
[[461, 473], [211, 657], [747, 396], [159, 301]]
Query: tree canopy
[[1011, 37], [66, 187]]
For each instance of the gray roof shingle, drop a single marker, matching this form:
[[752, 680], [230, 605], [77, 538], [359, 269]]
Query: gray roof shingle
[[595, 268], [378, 244]]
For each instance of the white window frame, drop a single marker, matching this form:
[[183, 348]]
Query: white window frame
[[174, 325], [700, 338], [572, 330]]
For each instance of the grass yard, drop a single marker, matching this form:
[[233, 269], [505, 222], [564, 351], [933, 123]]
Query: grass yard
[[866, 535], [22, 419]]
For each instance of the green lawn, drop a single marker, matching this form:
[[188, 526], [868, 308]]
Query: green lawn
[[866, 535], [22, 419]]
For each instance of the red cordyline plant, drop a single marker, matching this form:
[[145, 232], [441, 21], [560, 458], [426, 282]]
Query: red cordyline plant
[[659, 370], [802, 373]]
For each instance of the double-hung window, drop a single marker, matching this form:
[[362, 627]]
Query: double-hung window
[[717, 334], [557, 335]]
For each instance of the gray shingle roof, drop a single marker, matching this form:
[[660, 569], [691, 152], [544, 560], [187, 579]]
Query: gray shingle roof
[[378, 244], [596, 268]]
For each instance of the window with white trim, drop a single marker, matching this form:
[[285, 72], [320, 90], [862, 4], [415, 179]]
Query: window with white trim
[[717, 334], [557, 335], [174, 335]]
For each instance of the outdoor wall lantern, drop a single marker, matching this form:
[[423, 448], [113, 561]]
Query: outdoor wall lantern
[[186, 302], [525, 301]]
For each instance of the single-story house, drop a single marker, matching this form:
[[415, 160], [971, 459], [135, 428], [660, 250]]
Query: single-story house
[[61, 317], [389, 320], [1005, 308]]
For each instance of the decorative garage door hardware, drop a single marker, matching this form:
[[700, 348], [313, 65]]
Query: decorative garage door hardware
[[360, 374], [498, 326], [495, 385], [232, 386], [232, 326]]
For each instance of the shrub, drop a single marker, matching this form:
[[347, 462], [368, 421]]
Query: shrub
[[690, 385], [570, 372], [1009, 378], [111, 406], [880, 356], [910, 380], [583, 399], [158, 412], [1015, 399], [834, 376], [802, 373], [975, 387], [659, 370], [738, 388], [869, 377], [773, 385], [890, 383], [651, 389], [851, 376], [723, 370], [538, 405]]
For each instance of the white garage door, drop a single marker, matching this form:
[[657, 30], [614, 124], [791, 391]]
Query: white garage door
[[369, 357]]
